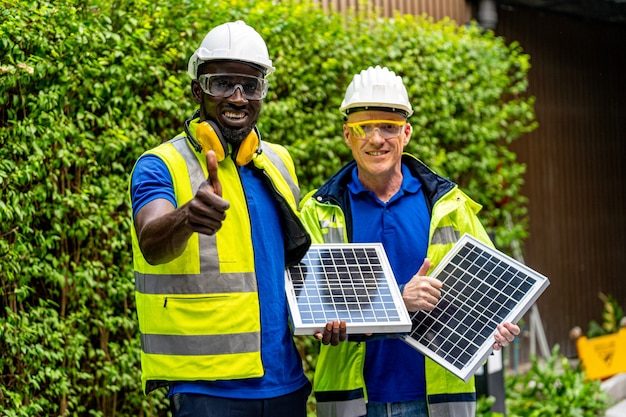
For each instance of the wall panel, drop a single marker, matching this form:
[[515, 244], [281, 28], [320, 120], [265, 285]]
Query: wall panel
[[576, 159], [457, 10]]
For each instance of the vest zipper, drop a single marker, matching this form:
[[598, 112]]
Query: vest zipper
[[191, 298]]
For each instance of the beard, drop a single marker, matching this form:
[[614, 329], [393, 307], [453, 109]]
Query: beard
[[235, 137]]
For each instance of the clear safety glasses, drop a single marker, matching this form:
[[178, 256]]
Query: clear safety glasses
[[224, 85], [387, 129]]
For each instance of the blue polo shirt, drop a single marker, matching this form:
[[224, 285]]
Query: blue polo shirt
[[281, 360], [394, 371]]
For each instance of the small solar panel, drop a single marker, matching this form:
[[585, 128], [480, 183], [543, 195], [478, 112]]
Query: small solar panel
[[345, 281], [482, 287]]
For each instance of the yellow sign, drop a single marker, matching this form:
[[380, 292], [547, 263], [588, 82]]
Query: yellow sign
[[603, 356]]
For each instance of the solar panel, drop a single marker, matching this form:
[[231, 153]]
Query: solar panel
[[351, 282], [482, 287]]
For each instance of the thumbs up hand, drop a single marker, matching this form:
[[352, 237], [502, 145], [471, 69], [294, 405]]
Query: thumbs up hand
[[211, 164], [422, 292], [207, 210]]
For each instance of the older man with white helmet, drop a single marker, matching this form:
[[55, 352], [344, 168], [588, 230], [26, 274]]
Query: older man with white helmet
[[385, 195]]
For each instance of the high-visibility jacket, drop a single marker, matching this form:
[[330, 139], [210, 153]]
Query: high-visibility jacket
[[199, 314], [339, 384]]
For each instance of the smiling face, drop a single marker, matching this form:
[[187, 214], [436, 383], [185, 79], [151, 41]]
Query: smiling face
[[378, 158], [235, 115]]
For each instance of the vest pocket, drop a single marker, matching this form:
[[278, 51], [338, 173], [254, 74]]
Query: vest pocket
[[205, 314]]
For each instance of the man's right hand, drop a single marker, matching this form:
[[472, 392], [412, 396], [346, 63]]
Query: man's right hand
[[207, 210]]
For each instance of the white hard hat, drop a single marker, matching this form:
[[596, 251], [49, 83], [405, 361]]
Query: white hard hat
[[376, 88], [232, 41]]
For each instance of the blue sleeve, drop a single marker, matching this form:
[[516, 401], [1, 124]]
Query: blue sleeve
[[150, 180]]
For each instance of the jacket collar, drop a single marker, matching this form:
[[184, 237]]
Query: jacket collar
[[434, 185]]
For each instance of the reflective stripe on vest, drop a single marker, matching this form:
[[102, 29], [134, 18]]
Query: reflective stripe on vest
[[445, 235], [332, 234], [281, 169], [343, 408], [452, 405]]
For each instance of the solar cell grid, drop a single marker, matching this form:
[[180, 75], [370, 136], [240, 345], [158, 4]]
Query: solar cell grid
[[351, 282], [482, 288]]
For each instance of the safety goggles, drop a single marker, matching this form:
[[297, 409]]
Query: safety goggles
[[224, 85], [387, 129]]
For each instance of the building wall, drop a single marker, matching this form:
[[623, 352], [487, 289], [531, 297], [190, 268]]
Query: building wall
[[576, 164], [457, 10]]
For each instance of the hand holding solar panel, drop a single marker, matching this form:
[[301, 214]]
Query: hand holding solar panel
[[507, 332], [482, 288]]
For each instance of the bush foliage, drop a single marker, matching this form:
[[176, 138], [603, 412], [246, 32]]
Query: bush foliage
[[87, 86], [555, 387]]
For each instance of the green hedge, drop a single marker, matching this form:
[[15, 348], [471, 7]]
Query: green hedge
[[87, 86]]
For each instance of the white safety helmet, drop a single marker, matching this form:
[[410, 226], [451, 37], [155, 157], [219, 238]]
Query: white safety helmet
[[376, 88], [233, 41]]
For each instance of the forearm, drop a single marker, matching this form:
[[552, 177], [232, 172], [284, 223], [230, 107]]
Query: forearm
[[162, 231], [164, 239]]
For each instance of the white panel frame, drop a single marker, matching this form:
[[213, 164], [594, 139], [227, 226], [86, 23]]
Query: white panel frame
[[485, 349]]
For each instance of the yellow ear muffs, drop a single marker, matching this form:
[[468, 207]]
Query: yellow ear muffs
[[247, 148], [210, 138]]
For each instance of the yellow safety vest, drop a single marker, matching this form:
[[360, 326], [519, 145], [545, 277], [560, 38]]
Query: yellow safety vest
[[199, 314]]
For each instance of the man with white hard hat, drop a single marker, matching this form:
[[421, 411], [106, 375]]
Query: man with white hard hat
[[210, 249], [385, 195]]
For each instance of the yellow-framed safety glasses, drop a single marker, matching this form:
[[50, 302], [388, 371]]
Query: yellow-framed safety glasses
[[387, 129]]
